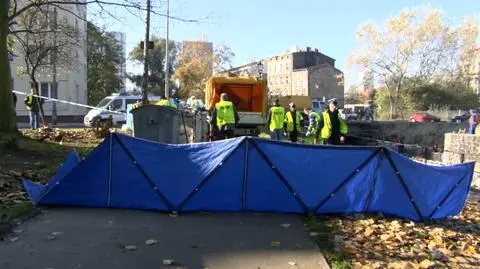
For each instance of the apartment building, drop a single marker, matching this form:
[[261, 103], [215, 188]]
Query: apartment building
[[71, 80], [120, 39], [306, 73]]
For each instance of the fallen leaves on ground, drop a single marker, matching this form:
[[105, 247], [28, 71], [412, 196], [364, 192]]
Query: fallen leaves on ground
[[380, 242], [62, 135], [11, 191]]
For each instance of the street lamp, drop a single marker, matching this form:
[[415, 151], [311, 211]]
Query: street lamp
[[260, 69]]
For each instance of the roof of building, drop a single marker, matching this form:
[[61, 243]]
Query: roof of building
[[316, 51], [318, 67], [240, 67]]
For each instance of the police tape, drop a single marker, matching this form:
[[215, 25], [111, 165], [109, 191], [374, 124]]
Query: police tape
[[72, 103]]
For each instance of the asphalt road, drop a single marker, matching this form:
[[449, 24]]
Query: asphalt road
[[64, 238]]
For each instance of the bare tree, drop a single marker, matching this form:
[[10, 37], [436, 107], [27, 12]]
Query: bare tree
[[46, 42], [12, 10], [416, 45]]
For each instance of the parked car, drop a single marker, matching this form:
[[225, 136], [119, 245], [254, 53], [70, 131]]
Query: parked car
[[461, 118], [423, 117], [348, 117]]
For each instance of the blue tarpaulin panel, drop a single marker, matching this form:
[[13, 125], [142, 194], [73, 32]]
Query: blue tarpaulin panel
[[251, 174]]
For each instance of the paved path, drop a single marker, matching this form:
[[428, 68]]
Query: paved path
[[95, 238]]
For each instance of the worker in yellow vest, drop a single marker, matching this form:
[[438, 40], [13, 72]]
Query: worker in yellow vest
[[166, 102], [333, 128], [224, 118], [313, 119], [33, 103], [293, 120], [275, 120]]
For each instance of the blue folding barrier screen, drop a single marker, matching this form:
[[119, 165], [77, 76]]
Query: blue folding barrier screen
[[250, 174]]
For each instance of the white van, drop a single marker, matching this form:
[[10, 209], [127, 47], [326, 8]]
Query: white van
[[117, 103]]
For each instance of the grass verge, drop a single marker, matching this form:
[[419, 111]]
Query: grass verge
[[323, 236]]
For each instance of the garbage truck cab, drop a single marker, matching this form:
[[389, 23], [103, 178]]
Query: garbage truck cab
[[115, 106]]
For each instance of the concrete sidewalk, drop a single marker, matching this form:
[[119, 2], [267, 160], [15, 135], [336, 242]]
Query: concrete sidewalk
[[64, 238]]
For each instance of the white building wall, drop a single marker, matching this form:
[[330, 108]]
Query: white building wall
[[120, 38], [72, 84]]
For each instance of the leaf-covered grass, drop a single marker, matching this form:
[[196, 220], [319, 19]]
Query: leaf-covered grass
[[323, 236]]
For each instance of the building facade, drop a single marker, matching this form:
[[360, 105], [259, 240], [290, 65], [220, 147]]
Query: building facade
[[306, 73], [71, 81], [120, 38]]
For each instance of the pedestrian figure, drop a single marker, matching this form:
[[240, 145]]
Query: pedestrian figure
[[14, 96], [224, 118], [312, 130], [32, 104], [473, 121], [275, 120], [293, 119], [333, 128]]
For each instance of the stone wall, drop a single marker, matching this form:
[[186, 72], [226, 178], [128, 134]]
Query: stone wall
[[425, 134], [460, 148]]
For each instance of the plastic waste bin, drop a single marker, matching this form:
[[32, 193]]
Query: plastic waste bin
[[156, 123]]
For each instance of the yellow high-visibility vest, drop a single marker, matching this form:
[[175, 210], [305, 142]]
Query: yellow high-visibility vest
[[289, 121], [165, 102], [225, 113], [327, 126], [29, 103], [278, 117]]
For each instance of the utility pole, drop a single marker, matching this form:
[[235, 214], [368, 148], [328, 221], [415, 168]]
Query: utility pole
[[145, 55], [54, 75], [167, 77]]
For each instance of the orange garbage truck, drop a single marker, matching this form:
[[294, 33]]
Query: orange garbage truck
[[248, 94]]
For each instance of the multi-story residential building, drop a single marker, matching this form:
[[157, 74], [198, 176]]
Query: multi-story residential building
[[120, 38], [71, 80], [306, 73]]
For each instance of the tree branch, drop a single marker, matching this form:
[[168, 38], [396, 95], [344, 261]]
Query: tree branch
[[99, 3]]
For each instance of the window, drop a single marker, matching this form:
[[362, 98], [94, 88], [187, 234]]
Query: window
[[44, 91], [47, 90], [117, 104]]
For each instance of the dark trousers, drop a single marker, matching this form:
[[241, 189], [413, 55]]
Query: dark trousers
[[294, 136], [334, 139], [226, 134]]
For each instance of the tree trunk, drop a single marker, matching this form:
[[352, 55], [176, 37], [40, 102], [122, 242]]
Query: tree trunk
[[392, 109], [7, 112]]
